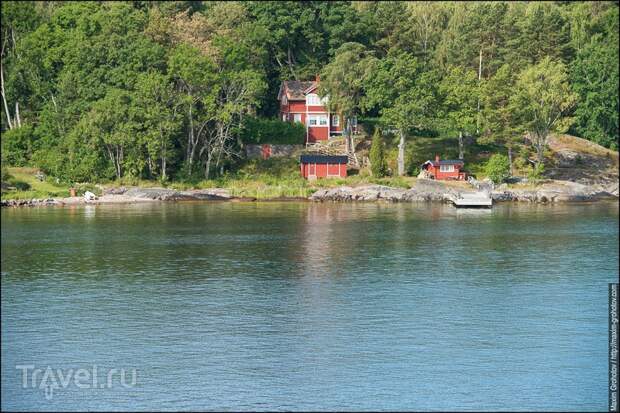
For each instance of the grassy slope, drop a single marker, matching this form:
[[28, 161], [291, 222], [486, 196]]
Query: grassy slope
[[280, 177], [38, 189]]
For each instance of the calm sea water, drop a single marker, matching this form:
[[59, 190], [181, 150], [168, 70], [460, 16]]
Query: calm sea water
[[307, 306]]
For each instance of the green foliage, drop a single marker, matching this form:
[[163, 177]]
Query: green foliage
[[343, 79], [259, 131], [497, 168], [5, 174], [20, 185], [459, 89], [499, 124], [542, 101], [17, 146], [594, 77], [536, 172], [157, 90], [378, 166], [405, 94]]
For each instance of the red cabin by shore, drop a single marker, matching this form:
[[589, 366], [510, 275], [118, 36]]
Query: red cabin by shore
[[445, 170], [299, 102], [323, 166]]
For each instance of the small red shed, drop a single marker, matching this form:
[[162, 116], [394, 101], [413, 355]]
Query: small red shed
[[323, 166], [445, 170]]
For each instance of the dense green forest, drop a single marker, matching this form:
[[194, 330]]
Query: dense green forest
[[95, 91]]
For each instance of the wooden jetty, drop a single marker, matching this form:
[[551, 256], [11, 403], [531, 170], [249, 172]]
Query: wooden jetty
[[481, 199]]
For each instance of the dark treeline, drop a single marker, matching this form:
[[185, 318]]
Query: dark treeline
[[160, 90]]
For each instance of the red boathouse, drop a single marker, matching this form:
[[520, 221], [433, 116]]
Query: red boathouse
[[445, 170], [323, 166]]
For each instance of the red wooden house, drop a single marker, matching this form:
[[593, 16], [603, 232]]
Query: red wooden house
[[445, 170], [299, 102], [323, 166]]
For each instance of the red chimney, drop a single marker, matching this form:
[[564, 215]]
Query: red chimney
[[317, 78], [436, 158]]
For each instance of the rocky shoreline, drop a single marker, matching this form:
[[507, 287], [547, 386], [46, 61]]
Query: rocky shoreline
[[428, 190], [423, 190]]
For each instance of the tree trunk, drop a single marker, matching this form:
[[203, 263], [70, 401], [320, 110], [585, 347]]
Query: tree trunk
[[541, 143], [540, 152], [401, 154], [347, 133], [479, 80], [149, 163], [117, 164], [120, 162], [6, 106], [290, 63], [191, 147], [163, 167], [17, 119], [510, 160], [208, 165], [461, 149]]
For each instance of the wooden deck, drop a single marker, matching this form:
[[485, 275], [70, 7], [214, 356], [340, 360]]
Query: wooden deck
[[480, 199]]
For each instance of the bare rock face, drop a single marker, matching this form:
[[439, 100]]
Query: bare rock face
[[211, 194], [432, 191], [422, 191], [29, 202], [115, 191], [360, 193], [555, 191], [165, 194]]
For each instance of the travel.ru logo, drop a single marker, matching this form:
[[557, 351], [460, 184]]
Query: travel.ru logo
[[49, 379]]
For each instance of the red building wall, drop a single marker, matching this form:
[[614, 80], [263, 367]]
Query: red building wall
[[297, 106], [435, 170], [314, 133], [321, 170], [318, 133]]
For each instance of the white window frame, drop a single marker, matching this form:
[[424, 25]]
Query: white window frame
[[297, 117], [312, 99], [335, 120], [318, 120], [446, 168]]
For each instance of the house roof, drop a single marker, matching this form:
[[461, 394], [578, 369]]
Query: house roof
[[445, 162], [313, 158], [296, 89]]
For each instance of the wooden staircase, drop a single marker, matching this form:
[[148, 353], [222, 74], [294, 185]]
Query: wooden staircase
[[332, 147]]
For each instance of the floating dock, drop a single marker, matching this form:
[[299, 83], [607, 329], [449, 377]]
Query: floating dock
[[473, 200]]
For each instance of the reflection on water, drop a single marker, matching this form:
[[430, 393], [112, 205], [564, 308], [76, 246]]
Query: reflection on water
[[262, 306]]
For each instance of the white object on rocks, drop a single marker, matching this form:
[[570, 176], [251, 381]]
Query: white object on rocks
[[89, 196]]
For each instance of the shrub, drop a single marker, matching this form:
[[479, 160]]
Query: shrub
[[259, 131], [20, 185], [378, 166], [536, 172], [5, 174], [81, 188], [497, 168], [412, 165], [17, 145]]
